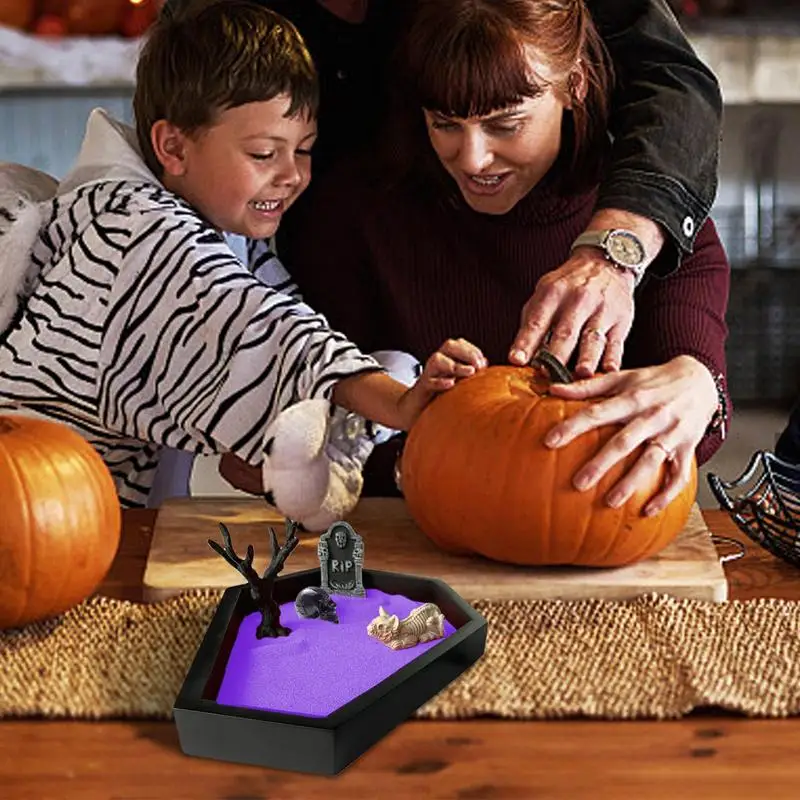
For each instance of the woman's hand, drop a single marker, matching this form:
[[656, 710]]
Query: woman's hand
[[668, 406], [585, 303], [454, 360]]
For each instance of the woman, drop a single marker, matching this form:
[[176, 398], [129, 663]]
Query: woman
[[505, 141], [665, 115]]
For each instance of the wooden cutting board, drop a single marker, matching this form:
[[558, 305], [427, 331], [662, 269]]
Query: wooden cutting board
[[180, 557]]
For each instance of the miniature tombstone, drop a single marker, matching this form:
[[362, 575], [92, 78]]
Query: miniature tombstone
[[341, 560]]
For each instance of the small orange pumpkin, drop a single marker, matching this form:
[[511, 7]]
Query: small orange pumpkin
[[477, 478], [61, 520]]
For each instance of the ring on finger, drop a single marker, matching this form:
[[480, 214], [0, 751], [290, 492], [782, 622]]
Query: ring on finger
[[669, 455], [594, 333]]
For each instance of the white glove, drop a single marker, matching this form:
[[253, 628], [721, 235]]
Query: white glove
[[313, 457]]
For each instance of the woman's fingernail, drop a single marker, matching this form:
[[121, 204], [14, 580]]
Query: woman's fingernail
[[518, 356], [615, 499], [552, 439], [582, 482], [650, 511]]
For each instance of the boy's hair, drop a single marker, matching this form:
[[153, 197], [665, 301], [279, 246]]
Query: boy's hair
[[202, 57]]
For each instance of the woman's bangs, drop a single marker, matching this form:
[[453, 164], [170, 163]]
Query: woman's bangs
[[474, 77]]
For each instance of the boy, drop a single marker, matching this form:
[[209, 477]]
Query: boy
[[136, 323]]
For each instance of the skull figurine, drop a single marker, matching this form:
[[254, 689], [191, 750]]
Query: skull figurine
[[315, 603]]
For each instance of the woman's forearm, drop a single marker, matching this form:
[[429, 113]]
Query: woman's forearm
[[666, 119]]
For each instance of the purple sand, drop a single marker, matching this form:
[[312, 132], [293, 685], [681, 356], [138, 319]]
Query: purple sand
[[320, 666]]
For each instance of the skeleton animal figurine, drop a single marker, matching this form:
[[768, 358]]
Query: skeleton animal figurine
[[423, 624], [315, 603]]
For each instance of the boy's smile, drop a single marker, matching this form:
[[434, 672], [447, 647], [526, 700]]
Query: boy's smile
[[247, 168]]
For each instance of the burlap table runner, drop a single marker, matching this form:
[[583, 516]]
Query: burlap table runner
[[653, 657]]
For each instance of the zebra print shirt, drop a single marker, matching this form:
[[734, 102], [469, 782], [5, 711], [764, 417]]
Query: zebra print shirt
[[144, 331]]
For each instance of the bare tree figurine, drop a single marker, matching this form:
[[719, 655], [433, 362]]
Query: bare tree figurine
[[261, 588]]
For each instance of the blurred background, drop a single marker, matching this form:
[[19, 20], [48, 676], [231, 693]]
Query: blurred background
[[61, 58]]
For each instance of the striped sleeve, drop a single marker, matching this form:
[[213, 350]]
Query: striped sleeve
[[264, 263], [199, 354]]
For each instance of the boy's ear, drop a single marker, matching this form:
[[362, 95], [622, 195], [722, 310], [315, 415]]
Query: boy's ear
[[169, 146]]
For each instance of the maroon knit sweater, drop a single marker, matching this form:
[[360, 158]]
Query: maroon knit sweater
[[403, 268]]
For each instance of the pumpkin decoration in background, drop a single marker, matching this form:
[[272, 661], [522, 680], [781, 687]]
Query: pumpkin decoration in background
[[50, 26], [61, 520], [138, 16], [17, 13], [129, 18], [93, 17], [51, 23], [478, 479]]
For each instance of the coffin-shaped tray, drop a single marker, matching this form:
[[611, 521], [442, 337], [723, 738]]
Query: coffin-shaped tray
[[321, 745]]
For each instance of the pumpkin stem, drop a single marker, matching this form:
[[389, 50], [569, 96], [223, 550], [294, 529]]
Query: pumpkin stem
[[555, 369]]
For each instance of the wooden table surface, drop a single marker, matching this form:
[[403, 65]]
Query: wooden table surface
[[708, 754]]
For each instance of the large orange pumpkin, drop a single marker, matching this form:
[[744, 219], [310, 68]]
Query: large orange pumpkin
[[478, 479], [60, 523]]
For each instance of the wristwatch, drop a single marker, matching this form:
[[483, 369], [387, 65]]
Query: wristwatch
[[622, 248]]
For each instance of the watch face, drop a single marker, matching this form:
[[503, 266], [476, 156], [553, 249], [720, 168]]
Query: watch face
[[625, 249]]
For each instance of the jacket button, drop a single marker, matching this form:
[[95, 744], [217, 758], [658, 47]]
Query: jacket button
[[688, 227]]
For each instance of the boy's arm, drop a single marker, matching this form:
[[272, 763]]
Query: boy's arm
[[665, 118], [381, 398], [200, 355]]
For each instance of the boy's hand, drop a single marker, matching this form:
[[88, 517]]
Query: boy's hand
[[454, 360]]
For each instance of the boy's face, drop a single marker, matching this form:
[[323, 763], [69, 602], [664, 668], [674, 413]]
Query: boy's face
[[244, 171]]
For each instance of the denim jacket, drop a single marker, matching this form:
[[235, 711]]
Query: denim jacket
[[665, 115]]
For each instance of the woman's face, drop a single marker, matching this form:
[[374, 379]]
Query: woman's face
[[498, 158]]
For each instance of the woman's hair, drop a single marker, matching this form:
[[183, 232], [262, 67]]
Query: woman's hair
[[202, 57], [467, 58]]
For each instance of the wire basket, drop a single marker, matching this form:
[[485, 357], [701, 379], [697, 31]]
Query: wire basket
[[766, 506]]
